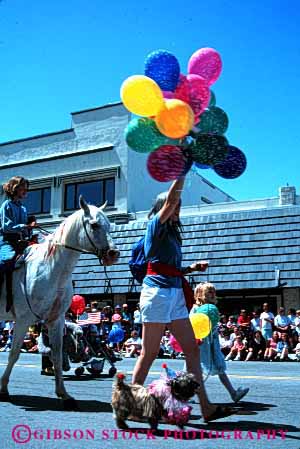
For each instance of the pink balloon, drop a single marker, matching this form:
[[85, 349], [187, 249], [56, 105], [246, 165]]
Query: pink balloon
[[166, 163], [168, 94], [199, 93], [207, 63], [175, 345]]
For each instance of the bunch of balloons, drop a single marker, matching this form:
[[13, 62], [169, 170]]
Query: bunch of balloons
[[170, 105]]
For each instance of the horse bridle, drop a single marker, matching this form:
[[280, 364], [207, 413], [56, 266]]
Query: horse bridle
[[98, 252]]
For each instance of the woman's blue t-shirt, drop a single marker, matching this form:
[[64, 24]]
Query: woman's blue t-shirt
[[162, 245]]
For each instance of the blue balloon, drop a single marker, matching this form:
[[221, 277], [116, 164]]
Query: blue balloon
[[196, 168], [116, 335], [163, 67], [234, 164]]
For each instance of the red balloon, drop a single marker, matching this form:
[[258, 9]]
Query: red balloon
[[166, 163], [199, 93], [182, 91], [194, 90], [175, 345], [77, 305]]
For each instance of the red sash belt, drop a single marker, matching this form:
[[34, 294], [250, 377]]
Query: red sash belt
[[157, 268]]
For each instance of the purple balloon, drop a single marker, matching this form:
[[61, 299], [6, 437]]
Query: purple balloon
[[234, 164]]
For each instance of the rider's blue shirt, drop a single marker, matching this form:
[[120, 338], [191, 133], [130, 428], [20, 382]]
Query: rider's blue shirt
[[13, 217]]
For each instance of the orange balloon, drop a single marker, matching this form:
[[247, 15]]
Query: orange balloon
[[175, 119]]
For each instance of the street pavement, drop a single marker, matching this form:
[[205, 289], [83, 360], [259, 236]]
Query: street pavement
[[268, 417]]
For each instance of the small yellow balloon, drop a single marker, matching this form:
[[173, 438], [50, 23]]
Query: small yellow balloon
[[201, 325], [142, 96], [176, 119]]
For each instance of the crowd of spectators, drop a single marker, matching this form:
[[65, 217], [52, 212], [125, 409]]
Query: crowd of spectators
[[256, 336], [261, 335]]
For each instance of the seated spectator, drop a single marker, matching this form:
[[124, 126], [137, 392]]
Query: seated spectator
[[231, 323], [297, 322], [297, 350], [244, 321], [222, 325], [292, 317], [165, 347], [255, 322], [271, 350], [234, 334], [266, 322], [3, 340], [29, 342], [281, 322], [225, 343], [238, 349], [256, 347], [8, 335], [283, 348], [133, 345]]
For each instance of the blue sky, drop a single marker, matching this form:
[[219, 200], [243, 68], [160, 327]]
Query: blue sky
[[63, 56]]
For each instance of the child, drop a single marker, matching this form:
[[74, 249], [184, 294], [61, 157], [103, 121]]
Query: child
[[237, 349], [231, 323], [283, 348], [212, 359]]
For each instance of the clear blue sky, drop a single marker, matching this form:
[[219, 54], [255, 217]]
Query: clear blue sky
[[62, 56]]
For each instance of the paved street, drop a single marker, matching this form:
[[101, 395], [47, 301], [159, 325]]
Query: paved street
[[271, 406]]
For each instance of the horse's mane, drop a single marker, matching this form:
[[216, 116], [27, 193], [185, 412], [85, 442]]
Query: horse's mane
[[62, 235]]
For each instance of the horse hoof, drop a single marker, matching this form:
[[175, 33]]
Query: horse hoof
[[4, 397], [70, 405]]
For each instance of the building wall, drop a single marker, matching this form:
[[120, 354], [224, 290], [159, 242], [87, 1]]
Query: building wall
[[291, 298]]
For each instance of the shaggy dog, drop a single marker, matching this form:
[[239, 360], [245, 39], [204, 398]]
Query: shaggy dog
[[137, 401]]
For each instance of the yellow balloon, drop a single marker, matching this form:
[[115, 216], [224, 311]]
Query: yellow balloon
[[142, 96], [176, 119], [201, 325]]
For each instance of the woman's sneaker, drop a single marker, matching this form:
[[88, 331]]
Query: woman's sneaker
[[239, 394]]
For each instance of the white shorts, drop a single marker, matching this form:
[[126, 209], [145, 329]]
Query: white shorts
[[162, 305]]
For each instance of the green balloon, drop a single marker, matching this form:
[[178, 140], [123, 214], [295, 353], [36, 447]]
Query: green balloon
[[211, 311], [213, 120], [142, 135], [213, 100], [209, 149]]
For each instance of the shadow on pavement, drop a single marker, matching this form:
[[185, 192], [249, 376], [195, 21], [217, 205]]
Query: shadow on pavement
[[39, 403]]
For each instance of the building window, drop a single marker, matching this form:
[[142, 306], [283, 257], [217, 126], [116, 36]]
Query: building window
[[94, 192], [38, 201]]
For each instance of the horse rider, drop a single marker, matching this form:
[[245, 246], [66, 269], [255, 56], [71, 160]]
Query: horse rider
[[15, 230]]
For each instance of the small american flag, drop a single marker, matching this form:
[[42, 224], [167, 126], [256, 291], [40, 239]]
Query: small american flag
[[89, 318]]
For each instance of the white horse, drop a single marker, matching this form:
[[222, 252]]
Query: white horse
[[42, 287]]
